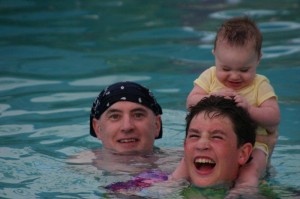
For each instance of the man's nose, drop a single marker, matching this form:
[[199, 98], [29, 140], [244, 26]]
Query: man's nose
[[127, 123]]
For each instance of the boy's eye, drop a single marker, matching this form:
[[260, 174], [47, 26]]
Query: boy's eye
[[217, 137], [226, 69], [193, 136]]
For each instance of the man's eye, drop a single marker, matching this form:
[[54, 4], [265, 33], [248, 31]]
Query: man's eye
[[114, 116], [139, 115]]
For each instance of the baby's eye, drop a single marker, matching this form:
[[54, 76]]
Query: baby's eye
[[226, 69], [244, 70]]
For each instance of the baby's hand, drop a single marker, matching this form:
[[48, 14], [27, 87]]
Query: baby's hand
[[242, 102], [225, 92]]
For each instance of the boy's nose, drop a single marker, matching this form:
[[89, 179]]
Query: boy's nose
[[203, 144]]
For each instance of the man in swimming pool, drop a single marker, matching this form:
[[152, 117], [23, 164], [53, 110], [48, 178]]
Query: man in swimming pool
[[126, 118]]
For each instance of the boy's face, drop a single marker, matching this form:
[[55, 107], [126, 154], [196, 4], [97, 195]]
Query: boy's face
[[127, 127], [212, 156], [235, 65]]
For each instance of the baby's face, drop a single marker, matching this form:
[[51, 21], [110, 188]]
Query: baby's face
[[236, 65]]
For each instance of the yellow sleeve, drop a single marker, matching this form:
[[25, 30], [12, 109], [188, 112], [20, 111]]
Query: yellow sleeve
[[265, 90], [205, 79]]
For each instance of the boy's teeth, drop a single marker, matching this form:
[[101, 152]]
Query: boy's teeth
[[203, 160]]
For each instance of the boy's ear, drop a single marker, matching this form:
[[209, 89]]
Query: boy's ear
[[245, 153], [213, 51]]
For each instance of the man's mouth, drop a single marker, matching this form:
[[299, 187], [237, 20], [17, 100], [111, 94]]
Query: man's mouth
[[129, 140], [204, 165]]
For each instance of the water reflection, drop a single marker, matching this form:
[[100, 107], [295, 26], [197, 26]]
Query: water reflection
[[276, 26], [9, 83], [107, 80], [241, 12], [279, 51], [60, 97], [15, 129], [57, 55]]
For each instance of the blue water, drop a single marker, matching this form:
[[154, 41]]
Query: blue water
[[55, 57]]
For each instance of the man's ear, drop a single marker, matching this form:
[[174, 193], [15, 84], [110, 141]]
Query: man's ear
[[245, 153], [158, 124], [97, 128]]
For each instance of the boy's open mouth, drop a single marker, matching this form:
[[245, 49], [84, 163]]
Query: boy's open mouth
[[204, 164]]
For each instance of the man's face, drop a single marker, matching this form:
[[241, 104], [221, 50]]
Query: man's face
[[211, 153], [127, 127]]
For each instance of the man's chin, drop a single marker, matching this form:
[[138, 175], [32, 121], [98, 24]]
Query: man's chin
[[130, 152]]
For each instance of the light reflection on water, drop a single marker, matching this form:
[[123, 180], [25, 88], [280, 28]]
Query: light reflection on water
[[57, 56]]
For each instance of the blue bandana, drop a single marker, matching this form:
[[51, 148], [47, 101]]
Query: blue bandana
[[123, 91]]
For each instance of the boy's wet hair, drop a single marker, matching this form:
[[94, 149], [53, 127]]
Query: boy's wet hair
[[219, 106]]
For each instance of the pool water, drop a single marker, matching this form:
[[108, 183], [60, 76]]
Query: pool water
[[55, 57]]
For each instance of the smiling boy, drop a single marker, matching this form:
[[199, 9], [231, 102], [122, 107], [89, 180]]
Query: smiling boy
[[219, 140]]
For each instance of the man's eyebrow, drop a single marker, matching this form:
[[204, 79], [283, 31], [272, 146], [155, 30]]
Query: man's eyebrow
[[139, 109], [112, 110]]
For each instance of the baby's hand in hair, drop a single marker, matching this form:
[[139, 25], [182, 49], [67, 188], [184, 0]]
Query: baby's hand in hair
[[225, 92], [242, 102]]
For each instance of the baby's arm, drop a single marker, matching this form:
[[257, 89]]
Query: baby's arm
[[195, 96], [266, 115], [198, 93]]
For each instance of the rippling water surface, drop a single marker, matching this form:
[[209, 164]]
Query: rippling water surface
[[55, 57]]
